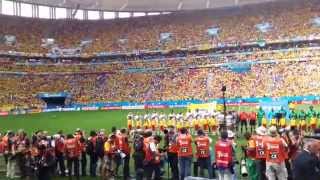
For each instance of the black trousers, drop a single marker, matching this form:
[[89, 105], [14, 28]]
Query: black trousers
[[243, 123], [44, 174], [83, 164], [261, 169], [151, 169], [126, 169], [138, 158], [60, 163], [73, 162], [93, 165], [173, 162]]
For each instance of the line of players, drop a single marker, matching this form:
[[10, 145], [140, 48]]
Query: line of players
[[296, 119], [234, 120], [197, 120]]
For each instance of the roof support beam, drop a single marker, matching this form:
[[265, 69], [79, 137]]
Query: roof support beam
[[180, 5], [208, 4], [124, 5]]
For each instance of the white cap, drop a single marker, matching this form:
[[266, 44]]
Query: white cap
[[273, 131], [230, 134], [261, 131]]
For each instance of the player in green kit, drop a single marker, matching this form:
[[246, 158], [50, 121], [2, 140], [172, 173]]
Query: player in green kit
[[260, 116]]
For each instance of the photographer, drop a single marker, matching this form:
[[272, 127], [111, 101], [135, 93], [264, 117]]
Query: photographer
[[152, 158], [72, 149], [202, 143], [138, 154], [122, 144], [110, 152], [44, 164], [172, 151]]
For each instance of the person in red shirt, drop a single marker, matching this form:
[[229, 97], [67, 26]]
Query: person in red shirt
[[91, 151], [203, 153], [73, 151], [83, 148], [260, 155], [243, 121], [250, 154], [122, 144], [152, 157], [172, 151], [275, 149], [224, 155], [184, 146], [59, 152]]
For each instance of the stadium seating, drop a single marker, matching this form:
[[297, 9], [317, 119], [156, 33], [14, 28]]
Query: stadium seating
[[276, 72], [276, 79], [188, 28]]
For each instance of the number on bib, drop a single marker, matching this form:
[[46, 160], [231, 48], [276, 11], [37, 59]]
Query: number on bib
[[184, 149], [203, 152], [261, 153], [273, 155]]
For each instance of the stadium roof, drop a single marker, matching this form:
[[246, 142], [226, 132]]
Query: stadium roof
[[145, 5]]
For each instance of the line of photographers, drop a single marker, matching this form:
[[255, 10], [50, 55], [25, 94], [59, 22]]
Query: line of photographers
[[280, 154], [43, 157]]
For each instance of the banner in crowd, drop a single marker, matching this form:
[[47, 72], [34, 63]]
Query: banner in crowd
[[51, 95], [90, 108], [9, 40], [264, 27], [210, 107], [165, 37], [316, 21], [4, 113], [47, 42], [133, 107], [156, 106], [111, 108], [213, 31]]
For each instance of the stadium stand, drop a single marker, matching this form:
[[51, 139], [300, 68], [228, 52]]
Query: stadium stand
[[289, 54], [187, 29]]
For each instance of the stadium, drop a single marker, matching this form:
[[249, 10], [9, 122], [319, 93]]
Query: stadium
[[81, 82]]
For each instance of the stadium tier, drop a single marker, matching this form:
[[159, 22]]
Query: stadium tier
[[261, 50], [232, 91], [184, 29]]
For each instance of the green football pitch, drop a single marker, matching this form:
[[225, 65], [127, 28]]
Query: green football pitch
[[87, 121]]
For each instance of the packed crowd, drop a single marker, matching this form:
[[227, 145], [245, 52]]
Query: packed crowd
[[289, 20], [189, 60], [270, 79], [274, 153]]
